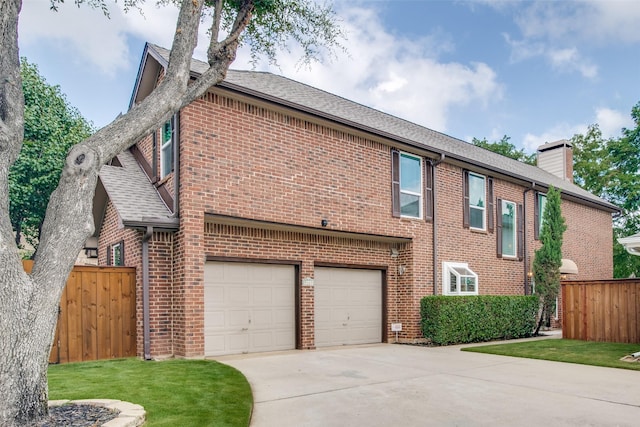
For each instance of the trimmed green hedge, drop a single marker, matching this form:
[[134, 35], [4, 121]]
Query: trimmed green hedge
[[465, 319]]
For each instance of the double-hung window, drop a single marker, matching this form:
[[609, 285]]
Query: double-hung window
[[509, 241], [166, 149], [458, 279], [540, 203], [410, 186], [510, 229], [477, 201], [407, 188]]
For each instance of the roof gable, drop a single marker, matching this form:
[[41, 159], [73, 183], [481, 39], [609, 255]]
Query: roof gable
[[135, 199]]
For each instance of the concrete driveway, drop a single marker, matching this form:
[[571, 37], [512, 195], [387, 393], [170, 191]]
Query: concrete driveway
[[402, 385]]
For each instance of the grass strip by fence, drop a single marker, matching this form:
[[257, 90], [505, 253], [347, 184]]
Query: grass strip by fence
[[604, 354]]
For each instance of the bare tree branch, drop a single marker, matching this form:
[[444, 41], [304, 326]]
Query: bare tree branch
[[217, 19]]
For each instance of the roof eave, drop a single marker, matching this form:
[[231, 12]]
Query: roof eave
[[159, 224]]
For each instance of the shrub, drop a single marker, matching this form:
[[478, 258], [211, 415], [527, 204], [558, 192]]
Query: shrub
[[464, 319]]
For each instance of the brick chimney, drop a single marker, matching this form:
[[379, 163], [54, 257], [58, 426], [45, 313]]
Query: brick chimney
[[557, 158]]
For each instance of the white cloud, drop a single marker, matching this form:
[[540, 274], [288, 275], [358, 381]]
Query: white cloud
[[381, 69], [86, 32], [608, 120], [569, 59], [562, 31], [394, 74], [600, 21], [560, 131], [566, 59], [611, 122]]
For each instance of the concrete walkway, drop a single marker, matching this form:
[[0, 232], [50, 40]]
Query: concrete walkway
[[402, 385]]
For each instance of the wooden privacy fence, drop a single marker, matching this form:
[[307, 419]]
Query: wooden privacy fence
[[601, 310], [97, 317]]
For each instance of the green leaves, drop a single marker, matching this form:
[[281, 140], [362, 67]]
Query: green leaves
[[505, 148], [548, 259], [610, 168], [51, 127], [464, 319], [274, 23]]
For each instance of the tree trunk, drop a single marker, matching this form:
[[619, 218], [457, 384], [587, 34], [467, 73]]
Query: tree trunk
[[24, 350], [29, 302]]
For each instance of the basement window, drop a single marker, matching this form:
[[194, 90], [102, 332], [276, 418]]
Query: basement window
[[458, 279]]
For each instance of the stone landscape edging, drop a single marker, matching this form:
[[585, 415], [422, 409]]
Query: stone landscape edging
[[130, 414]]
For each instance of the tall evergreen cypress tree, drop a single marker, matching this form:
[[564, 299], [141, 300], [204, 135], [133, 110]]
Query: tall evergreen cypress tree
[[548, 259]]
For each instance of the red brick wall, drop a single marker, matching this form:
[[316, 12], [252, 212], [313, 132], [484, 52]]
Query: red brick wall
[[254, 163], [588, 241], [160, 279], [248, 161], [161, 294], [309, 250], [259, 162], [496, 276]]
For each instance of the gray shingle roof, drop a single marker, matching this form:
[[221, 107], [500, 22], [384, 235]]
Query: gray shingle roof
[[133, 196], [318, 102]]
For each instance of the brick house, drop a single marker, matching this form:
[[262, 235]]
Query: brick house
[[270, 215]]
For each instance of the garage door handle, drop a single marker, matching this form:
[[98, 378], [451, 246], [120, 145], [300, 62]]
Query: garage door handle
[[344, 324], [245, 329]]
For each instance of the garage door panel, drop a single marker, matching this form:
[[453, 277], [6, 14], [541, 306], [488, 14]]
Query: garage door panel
[[216, 319], [237, 343], [284, 340], [214, 343], [261, 296], [363, 314], [282, 317], [248, 307], [237, 318], [348, 306], [236, 295], [283, 295], [364, 335]]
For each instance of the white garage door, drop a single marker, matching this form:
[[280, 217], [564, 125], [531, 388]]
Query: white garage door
[[348, 306], [248, 308]]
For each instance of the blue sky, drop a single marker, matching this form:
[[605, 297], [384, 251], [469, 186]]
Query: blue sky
[[537, 71]]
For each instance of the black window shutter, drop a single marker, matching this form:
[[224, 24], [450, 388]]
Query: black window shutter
[[122, 252], [154, 156], [499, 229], [428, 191], [536, 216], [490, 204], [395, 183], [108, 254], [465, 201], [173, 141], [520, 232]]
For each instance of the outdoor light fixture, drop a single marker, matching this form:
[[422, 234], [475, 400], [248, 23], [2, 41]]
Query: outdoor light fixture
[[91, 247], [324, 222]]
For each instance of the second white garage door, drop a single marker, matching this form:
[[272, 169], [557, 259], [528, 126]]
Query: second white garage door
[[348, 306], [248, 308]]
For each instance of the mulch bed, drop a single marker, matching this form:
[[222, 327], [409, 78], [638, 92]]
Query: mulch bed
[[77, 415]]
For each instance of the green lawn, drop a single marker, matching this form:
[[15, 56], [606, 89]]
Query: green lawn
[[570, 351], [173, 392]]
